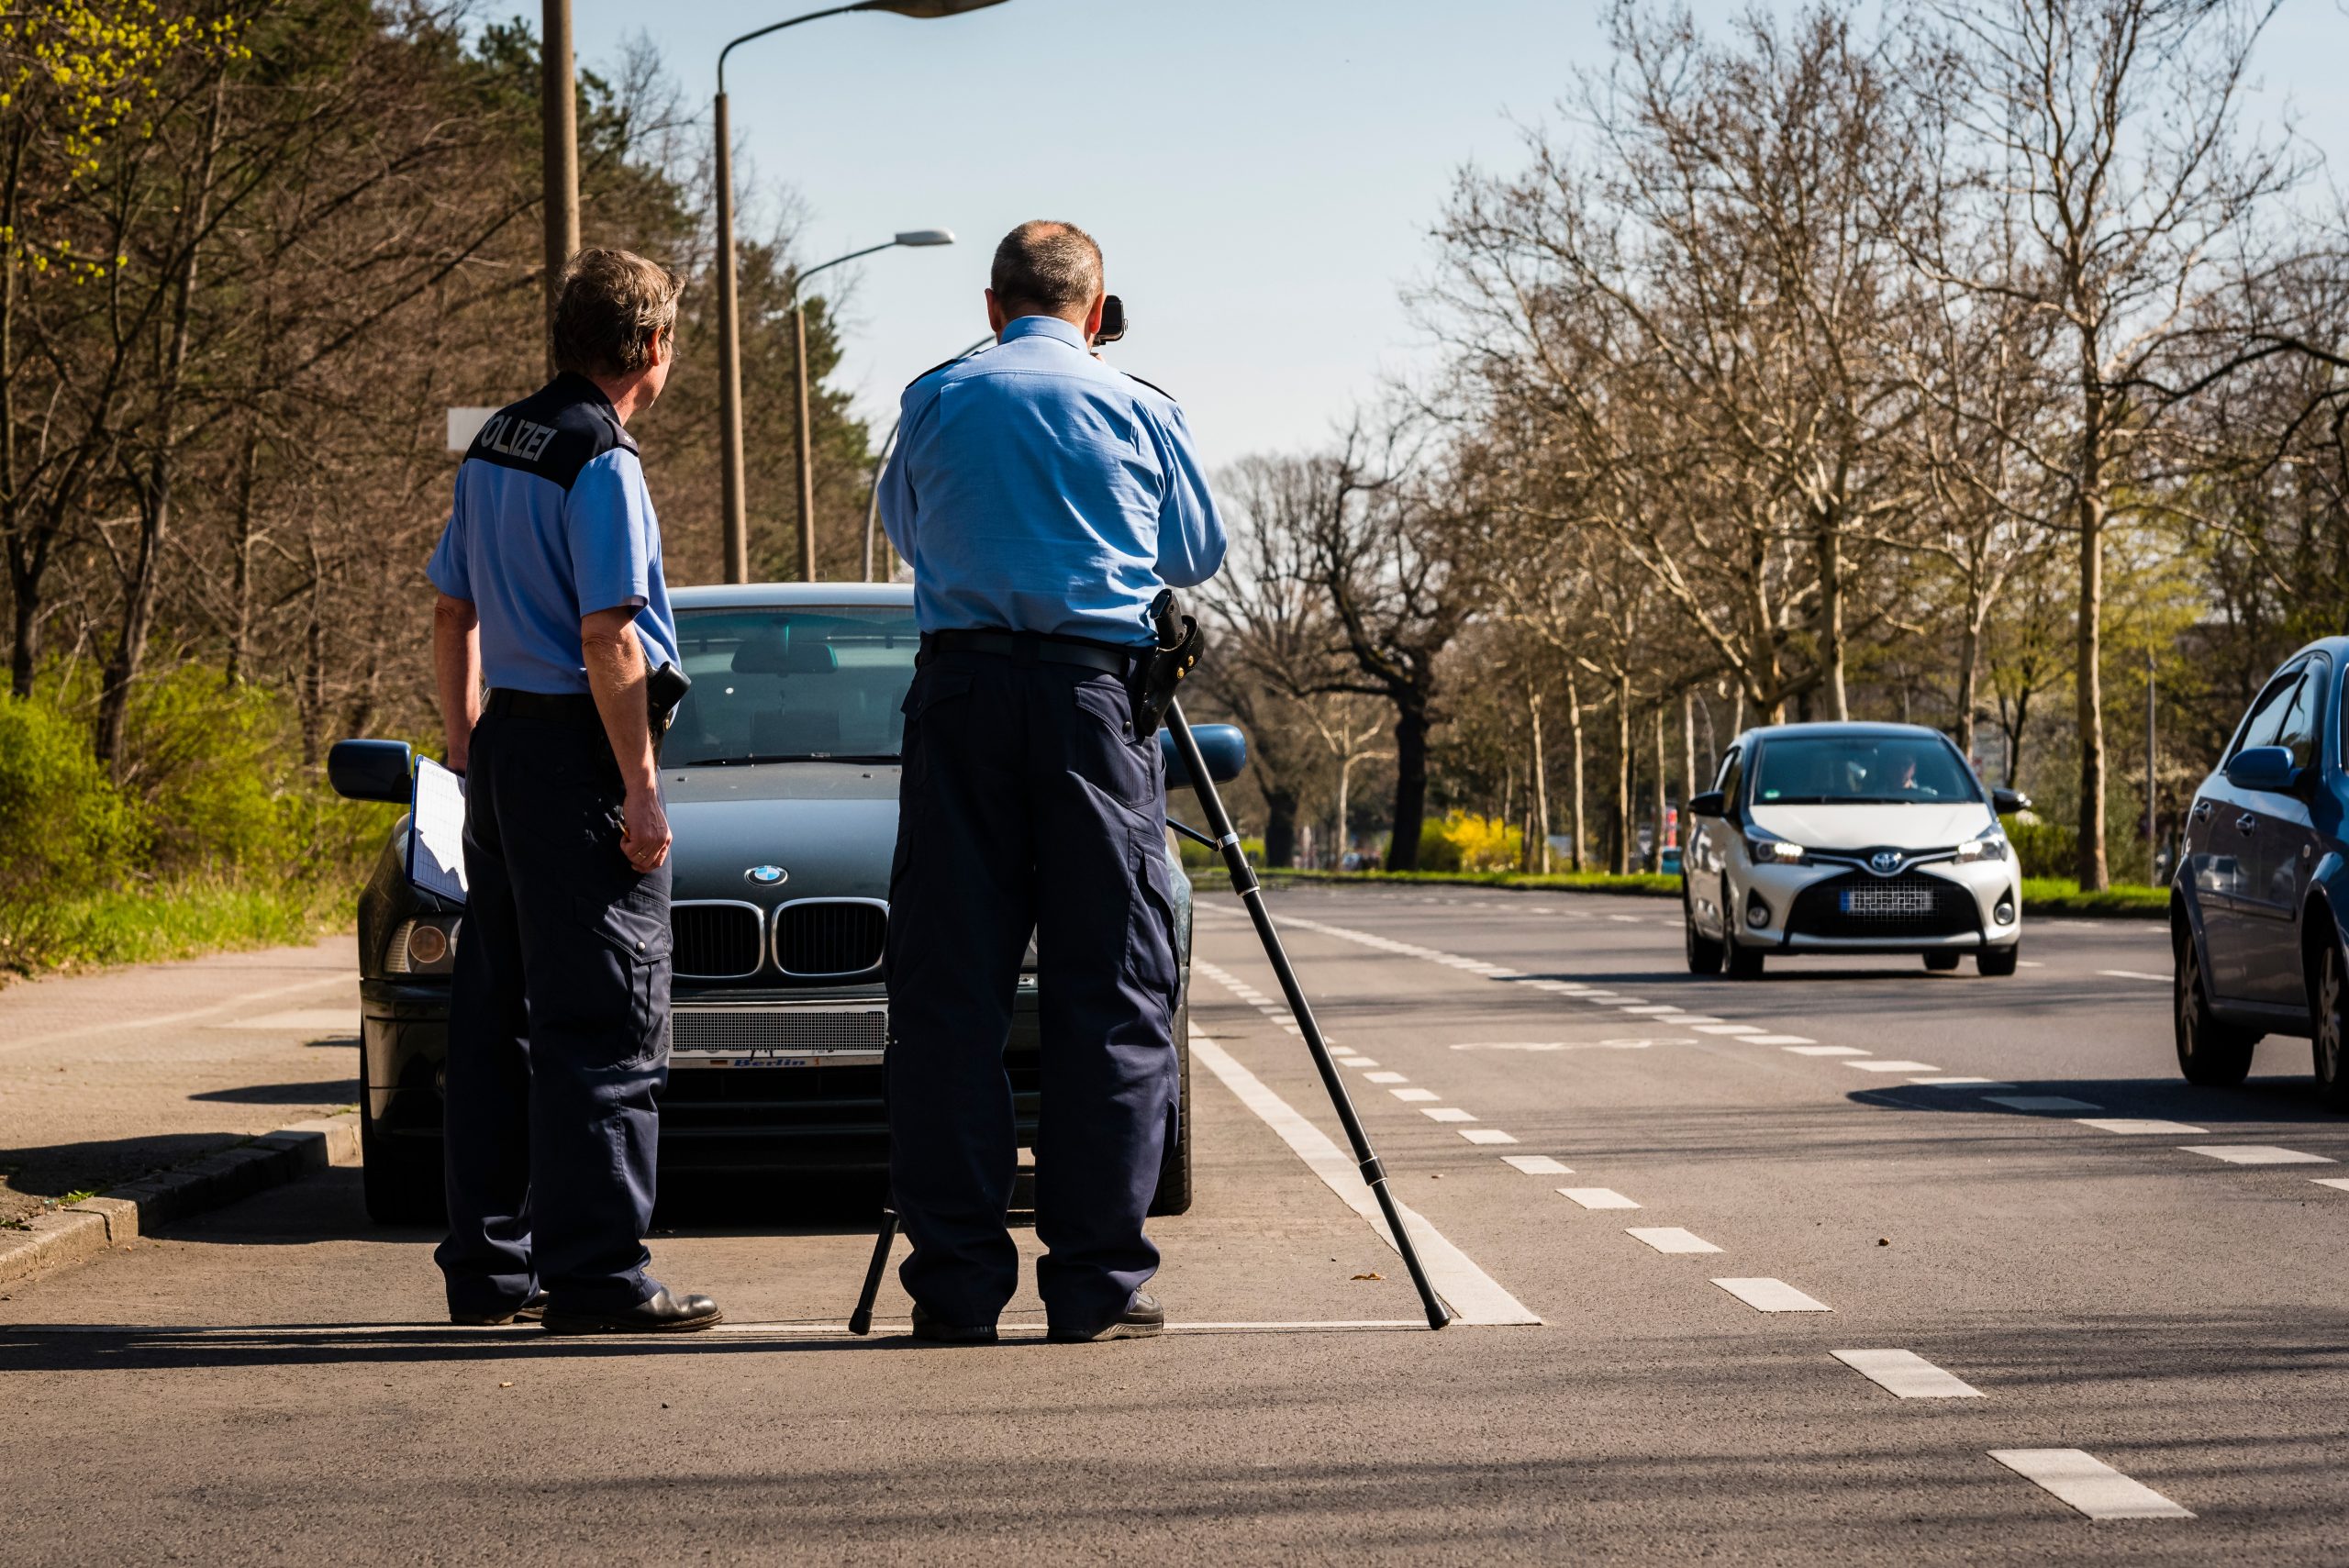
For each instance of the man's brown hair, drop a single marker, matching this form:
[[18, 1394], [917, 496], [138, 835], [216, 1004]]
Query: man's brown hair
[[613, 307], [1048, 267]]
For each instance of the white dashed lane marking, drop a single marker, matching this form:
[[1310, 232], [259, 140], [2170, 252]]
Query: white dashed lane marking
[[1597, 1197], [2139, 1125], [1446, 1113], [1772, 1295], [2041, 1102], [2087, 1484], [1475, 1295], [1953, 1081], [1413, 1096], [1670, 1239], [1906, 1375], [2339, 1184], [1537, 1164], [1826, 1051], [1384, 1078], [1777, 1039], [2254, 1154], [1486, 1135], [1726, 1028], [1880, 1065], [2134, 974]]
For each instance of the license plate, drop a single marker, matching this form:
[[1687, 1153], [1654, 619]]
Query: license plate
[[1885, 901], [778, 1036]]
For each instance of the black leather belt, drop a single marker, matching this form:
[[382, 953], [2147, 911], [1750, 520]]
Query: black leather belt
[[565, 707], [1034, 647]]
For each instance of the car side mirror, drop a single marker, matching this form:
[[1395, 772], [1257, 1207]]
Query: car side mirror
[[1221, 746], [2268, 768], [2006, 802], [372, 770], [1712, 803]]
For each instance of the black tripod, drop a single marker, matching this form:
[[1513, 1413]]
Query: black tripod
[[1226, 843]]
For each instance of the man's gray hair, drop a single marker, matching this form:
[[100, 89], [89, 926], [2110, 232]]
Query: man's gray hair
[[1047, 267]]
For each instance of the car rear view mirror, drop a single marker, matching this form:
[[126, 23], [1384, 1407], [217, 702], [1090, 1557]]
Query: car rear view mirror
[[1712, 803], [1224, 748], [2006, 802], [2269, 769], [371, 770]]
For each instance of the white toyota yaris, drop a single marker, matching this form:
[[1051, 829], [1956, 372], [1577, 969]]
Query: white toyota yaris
[[1848, 838]]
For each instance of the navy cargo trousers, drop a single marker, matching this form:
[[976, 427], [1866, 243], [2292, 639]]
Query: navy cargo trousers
[[1029, 804], [558, 1028]]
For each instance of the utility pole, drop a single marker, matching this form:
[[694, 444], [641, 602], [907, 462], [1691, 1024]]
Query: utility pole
[[2153, 818], [805, 455], [558, 156]]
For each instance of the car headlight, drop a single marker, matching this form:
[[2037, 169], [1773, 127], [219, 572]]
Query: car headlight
[[1990, 846], [1774, 852], [426, 945]]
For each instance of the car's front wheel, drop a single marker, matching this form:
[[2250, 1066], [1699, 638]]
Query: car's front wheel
[[2210, 1053], [1744, 963], [400, 1178], [1705, 955], [2328, 1000]]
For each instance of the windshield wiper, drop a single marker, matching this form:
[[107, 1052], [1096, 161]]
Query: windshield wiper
[[788, 757]]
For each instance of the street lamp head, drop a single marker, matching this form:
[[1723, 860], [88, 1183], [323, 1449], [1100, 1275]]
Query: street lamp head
[[927, 236], [924, 7]]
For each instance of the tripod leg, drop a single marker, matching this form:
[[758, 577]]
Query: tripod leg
[[1243, 882], [860, 1322]]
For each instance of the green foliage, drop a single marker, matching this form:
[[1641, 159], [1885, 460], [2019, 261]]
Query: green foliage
[[63, 824], [218, 836], [1461, 841], [2062, 895], [2043, 848]]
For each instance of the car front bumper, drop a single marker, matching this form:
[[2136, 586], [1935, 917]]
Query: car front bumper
[[1954, 906], [798, 1102]]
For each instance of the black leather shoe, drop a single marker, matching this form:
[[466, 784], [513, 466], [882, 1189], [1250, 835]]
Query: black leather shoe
[[1142, 1318], [530, 1311], [662, 1314], [930, 1329]]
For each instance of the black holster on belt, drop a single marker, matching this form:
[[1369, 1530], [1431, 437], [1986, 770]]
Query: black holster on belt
[[663, 689], [1178, 654]]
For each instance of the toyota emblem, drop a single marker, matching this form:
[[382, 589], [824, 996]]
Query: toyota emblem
[[1884, 862]]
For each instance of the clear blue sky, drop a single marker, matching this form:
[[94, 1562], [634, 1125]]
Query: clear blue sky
[[1262, 173]]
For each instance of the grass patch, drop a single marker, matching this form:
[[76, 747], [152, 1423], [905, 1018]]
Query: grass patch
[[169, 921], [1641, 884], [2062, 895]]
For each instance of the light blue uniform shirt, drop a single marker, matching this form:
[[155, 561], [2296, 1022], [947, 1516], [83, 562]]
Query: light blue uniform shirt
[[553, 522], [1037, 489]]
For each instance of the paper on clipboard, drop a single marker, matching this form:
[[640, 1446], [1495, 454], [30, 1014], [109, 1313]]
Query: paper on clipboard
[[436, 839]]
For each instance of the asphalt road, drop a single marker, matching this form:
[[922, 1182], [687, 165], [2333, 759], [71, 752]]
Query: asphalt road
[[1981, 1271]]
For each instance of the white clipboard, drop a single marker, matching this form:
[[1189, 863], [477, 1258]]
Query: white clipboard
[[435, 839]]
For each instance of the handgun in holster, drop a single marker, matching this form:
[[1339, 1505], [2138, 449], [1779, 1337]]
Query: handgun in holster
[[664, 688], [1178, 654]]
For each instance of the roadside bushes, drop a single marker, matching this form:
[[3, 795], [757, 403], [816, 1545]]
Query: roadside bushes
[[1461, 841], [214, 835], [2043, 848]]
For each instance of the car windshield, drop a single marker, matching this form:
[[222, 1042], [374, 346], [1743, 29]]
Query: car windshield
[[1873, 770], [806, 683]]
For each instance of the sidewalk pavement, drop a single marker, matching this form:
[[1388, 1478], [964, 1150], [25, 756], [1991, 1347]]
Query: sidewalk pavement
[[107, 1077]]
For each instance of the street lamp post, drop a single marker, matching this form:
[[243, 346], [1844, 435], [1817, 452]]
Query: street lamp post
[[729, 341], [805, 461]]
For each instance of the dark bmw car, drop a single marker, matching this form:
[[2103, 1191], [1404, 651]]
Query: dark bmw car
[[2261, 893], [781, 773]]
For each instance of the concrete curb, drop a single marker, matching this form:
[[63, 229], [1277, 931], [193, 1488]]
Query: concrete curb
[[63, 1238]]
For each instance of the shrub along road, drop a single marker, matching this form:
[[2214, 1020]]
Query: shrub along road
[[1797, 1301]]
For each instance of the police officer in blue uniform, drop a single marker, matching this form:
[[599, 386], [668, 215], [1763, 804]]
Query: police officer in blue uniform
[[551, 586], [1042, 499]]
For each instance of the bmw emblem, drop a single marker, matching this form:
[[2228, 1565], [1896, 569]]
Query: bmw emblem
[[766, 876], [1884, 862]]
